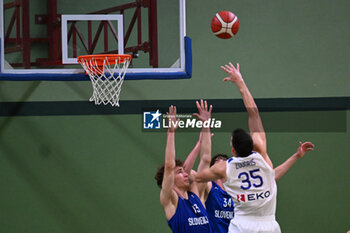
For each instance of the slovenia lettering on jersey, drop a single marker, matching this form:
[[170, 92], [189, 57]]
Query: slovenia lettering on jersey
[[223, 214], [198, 221]]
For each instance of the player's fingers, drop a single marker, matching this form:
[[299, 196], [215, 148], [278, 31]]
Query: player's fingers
[[202, 105], [226, 79], [309, 144], [238, 66], [198, 106], [205, 105], [232, 66], [225, 69], [196, 115], [210, 108], [228, 67]]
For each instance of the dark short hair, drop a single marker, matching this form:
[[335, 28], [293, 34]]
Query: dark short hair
[[160, 172], [242, 142], [217, 157]]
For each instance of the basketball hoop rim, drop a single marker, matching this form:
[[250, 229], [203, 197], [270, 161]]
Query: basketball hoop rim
[[100, 58], [101, 69]]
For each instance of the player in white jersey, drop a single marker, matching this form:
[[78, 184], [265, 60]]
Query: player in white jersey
[[250, 181], [249, 175]]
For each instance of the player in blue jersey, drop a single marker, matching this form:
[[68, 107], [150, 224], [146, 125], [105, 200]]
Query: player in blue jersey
[[180, 196], [219, 204]]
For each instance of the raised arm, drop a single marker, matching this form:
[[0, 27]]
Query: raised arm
[[256, 128], [191, 157], [168, 197], [284, 167], [204, 115]]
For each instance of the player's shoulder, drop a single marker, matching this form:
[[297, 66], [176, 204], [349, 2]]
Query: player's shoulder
[[230, 160]]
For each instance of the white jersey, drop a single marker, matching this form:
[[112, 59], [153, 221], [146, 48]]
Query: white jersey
[[251, 183]]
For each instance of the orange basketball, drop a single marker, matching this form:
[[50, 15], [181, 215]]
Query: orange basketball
[[225, 24]]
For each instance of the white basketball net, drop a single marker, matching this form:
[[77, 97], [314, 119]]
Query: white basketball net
[[106, 81]]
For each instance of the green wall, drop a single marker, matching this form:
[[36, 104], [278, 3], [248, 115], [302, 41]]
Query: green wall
[[94, 173]]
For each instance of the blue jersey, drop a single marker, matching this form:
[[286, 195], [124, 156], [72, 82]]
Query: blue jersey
[[220, 208], [190, 216]]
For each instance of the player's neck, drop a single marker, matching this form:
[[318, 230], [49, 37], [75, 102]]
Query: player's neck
[[220, 182], [181, 192]]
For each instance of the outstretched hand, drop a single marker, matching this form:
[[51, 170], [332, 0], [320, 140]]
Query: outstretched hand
[[304, 147], [204, 113], [173, 122], [235, 74]]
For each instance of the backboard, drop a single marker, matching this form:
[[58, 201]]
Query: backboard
[[42, 41]]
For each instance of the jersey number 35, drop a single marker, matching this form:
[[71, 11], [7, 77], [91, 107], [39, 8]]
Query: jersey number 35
[[250, 179]]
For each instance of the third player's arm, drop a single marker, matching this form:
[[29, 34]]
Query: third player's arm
[[191, 157], [205, 146]]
